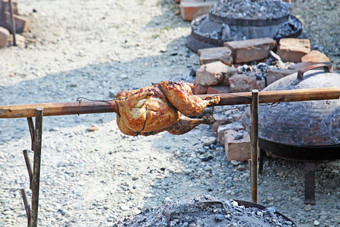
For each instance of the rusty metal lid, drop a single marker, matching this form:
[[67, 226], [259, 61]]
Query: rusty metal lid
[[308, 124]]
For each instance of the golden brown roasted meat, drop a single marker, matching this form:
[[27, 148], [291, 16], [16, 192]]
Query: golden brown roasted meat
[[145, 111], [179, 94], [186, 124], [153, 109]]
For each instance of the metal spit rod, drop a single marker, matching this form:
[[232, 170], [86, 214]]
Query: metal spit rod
[[53, 109]]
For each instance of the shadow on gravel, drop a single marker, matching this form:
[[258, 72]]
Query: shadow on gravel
[[281, 184]]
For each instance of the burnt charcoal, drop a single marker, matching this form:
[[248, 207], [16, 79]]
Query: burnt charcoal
[[208, 211], [239, 136], [206, 159]]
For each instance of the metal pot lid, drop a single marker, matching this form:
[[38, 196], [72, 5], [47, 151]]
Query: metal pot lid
[[309, 123]]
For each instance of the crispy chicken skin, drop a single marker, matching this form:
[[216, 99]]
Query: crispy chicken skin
[[145, 111], [179, 94], [157, 108]]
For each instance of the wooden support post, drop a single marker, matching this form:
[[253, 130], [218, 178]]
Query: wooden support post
[[254, 145], [29, 166], [12, 22], [33, 221], [26, 204], [309, 182], [31, 128]]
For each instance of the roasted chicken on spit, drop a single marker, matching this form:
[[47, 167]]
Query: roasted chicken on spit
[[158, 108]]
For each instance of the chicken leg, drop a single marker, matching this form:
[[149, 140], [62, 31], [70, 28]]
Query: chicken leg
[[179, 94], [186, 124]]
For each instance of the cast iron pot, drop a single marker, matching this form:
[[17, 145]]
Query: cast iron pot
[[307, 130]]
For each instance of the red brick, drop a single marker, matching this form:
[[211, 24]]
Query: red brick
[[223, 129], [211, 73], [218, 89], [4, 6], [250, 49], [4, 37], [214, 73], [276, 74], [237, 149], [241, 83], [209, 55], [191, 9], [315, 57], [219, 123], [21, 23], [199, 89], [292, 50]]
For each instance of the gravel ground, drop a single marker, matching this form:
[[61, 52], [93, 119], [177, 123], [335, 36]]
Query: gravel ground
[[93, 49]]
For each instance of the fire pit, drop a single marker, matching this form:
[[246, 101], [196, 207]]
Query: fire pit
[[205, 211], [232, 20]]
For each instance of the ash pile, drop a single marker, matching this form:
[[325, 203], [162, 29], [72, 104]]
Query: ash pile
[[232, 20], [206, 211], [252, 10]]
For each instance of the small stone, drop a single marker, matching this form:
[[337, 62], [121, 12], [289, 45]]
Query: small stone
[[234, 162], [308, 208], [167, 200], [208, 140], [270, 198], [187, 171], [92, 128], [338, 206], [241, 168], [206, 159], [259, 213], [124, 207], [219, 217], [62, 212], [316, 223], [112, 94]]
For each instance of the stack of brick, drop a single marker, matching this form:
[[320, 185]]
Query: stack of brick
[[219, 73], [21, 23]]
